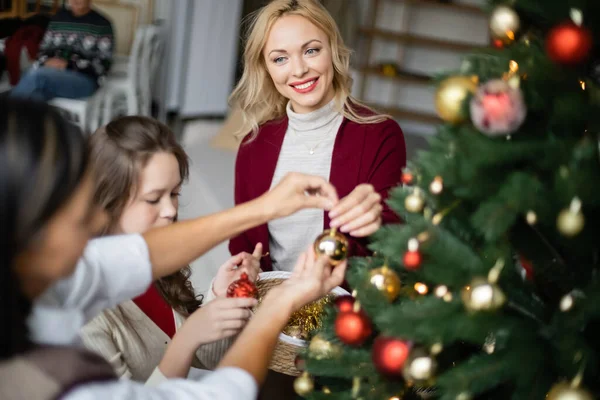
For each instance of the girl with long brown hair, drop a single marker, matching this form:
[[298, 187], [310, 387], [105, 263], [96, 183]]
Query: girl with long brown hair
[[140, 169]]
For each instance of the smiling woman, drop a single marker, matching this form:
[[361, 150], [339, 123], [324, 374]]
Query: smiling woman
[[295, 94]]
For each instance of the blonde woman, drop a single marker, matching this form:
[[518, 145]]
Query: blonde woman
[[295, 95]]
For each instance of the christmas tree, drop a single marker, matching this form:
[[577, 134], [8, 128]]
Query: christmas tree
[[490, 287]]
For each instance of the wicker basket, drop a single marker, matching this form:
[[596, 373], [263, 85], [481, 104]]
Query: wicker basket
[[287, 347]]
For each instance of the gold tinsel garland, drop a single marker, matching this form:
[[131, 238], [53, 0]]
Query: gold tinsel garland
[[303, 321]]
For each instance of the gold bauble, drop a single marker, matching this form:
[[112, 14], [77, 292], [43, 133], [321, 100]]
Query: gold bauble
[[332, 244], [565, 391], [482, 295], [320, 348], [451, 95], [570, 223], [504, 24], [303, 385], [419, 367], [414, 202], [386, 281]]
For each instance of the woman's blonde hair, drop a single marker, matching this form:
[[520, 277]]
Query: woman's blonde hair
[[255, 94]]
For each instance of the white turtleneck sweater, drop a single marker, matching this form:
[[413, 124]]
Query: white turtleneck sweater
[[312, 132]]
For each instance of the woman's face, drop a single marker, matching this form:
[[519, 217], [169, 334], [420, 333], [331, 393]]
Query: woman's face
[[156, 199], [54, 254], [298, 59]]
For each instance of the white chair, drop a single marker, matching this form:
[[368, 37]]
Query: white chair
[[131, 94], [84, 112]]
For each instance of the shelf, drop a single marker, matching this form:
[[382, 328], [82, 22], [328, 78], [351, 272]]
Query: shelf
[[402, 113], [401, 77], [449, 6], [409, 38]]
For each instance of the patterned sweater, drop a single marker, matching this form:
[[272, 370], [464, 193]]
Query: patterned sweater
[[85, 42]]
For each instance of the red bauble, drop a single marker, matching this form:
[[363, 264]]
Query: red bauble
[[527, 267], [242, 288], [353, 328], [407, 178], [569, 44], [412, 260], [389, 355], [498, 43], [344, 303]]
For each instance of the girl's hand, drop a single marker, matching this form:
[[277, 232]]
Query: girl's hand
[[233, 268], [312, 279], [359, 213], [221, 318]]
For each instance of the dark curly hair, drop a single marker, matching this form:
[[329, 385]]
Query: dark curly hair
[[43, 159], [119, 151]]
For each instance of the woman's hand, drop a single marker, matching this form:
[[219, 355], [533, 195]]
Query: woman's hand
[[233, 268], [221, 318], [298, 191], [359, 213], [311, 279]]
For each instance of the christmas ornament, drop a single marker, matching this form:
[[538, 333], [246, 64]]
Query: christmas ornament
[[498, 43], [407, 178], [332, 244], [420, 367], [441, 291], [242, 287], [570, 221], [414, 202], [353, 328], [531, 217], [344, 303], [303, 385], [497, 108], [386, 281], [450, 96], [437, 185], [482, 295], [389, 355], [569, 44], [566, 391], [527, 268], [436, 348], [567, 302], [504, 24], [412, 258], [319, 348], [489, 346], [421, 288]]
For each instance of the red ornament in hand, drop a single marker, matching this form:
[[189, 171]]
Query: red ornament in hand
[[353, 328], [389, 355], [412, 260], [569, 44], [344, 303], [242, 287]]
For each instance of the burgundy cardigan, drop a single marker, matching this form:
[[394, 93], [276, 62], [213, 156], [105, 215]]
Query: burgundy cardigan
[[362, 153]]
